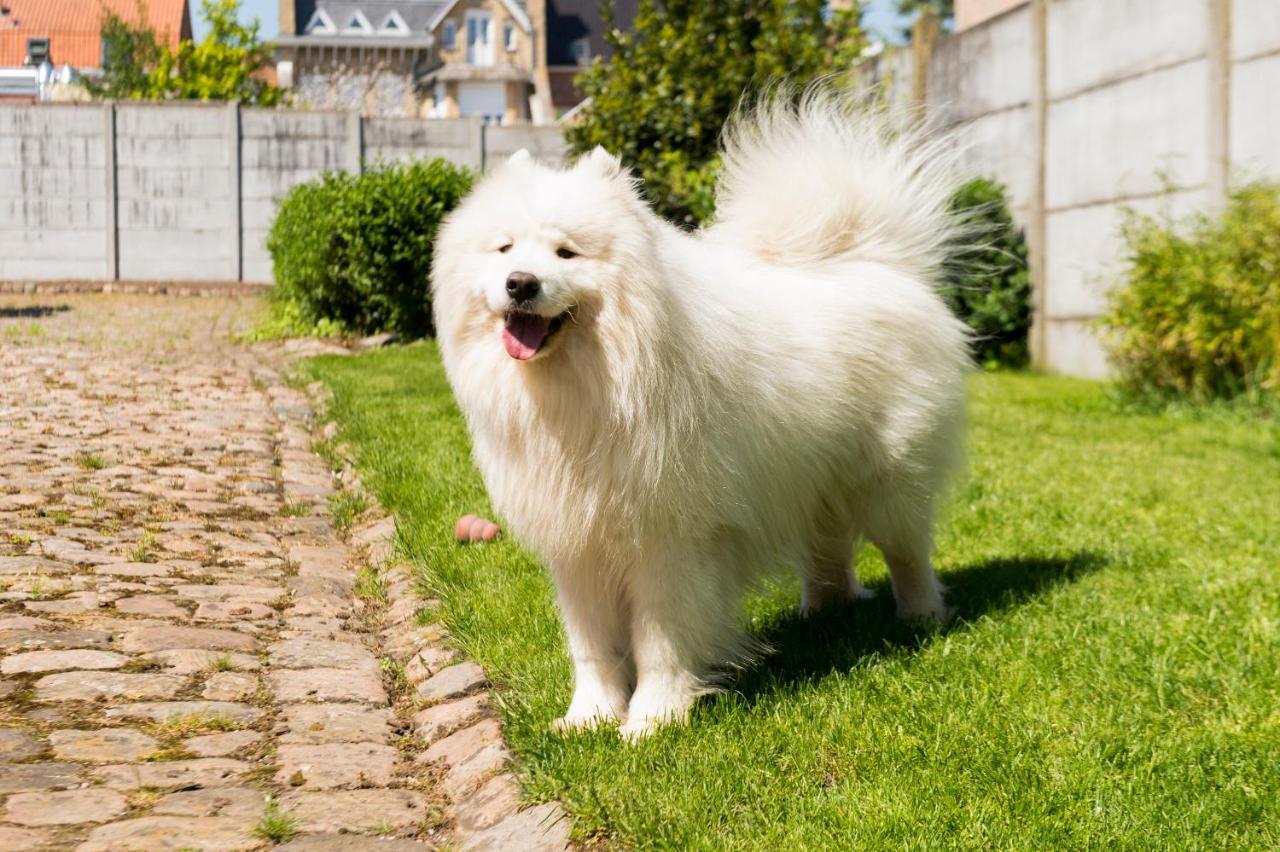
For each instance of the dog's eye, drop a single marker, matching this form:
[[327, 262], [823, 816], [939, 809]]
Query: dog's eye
[[565, 253], [505, 248]]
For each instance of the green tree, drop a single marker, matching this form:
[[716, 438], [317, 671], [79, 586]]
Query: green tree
[[660, 101], [129, 54], [220, 67], [944, 9]]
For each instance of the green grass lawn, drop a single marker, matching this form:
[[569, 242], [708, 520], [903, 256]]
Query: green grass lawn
[[1112, 678]]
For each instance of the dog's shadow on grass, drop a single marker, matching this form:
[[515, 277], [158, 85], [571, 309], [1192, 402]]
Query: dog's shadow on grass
[[30, 311], [836, 640]]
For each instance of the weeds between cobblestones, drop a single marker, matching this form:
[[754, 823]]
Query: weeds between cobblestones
[[191, 656]]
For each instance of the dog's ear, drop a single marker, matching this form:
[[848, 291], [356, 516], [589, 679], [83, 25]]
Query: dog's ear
[[520, 158], [603, 162]]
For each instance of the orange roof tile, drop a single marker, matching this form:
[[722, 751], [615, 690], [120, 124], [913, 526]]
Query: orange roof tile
[[72, 26]]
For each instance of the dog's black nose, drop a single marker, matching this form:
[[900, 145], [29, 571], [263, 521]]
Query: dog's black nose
[[523, 286]]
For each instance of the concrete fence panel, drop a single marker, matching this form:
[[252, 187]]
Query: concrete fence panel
[[54, 191], [188, 191]]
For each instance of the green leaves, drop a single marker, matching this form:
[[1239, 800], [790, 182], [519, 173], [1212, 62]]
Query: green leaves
[[220, 68], [1199, 312], [985, 279], [355, 250], [660, 100]]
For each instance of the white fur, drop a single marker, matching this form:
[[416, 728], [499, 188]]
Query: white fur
[[767, 390]]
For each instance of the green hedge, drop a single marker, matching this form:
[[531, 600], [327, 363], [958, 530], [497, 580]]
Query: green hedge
[[986, 280], [1198, 314], [353, 252]]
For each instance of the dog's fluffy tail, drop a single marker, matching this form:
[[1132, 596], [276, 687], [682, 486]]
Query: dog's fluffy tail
[[820, 178]]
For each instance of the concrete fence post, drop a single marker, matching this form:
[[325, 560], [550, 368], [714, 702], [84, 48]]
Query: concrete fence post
[[112, 195], [1037, 249], [1218, 111], [236, 272], [355, 142], [925, 33]]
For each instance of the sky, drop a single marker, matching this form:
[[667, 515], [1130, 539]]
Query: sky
[[880, 19]]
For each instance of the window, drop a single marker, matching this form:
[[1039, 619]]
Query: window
[[357, 23], [580, 50], [37, 51], [320, 23], [509, 36], [479, 37], [450, 36], [395, 25]]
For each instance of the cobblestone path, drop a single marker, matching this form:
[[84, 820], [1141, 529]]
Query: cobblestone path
[[182, 663]]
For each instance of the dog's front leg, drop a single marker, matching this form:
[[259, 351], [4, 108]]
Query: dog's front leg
[[595, 623], [682, 606]]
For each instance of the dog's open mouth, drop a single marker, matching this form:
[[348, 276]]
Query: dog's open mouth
[[524, 334]]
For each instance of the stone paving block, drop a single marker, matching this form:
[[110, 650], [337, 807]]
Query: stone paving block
[[440, 720], [199, 772], [51, 661], [354, 810], [191, 660], [233, 609], [151, 605], [164, 711], [334, 723], [220, 745], [239, 802], [23, 838], [452, 682], [16, 744], [327, 685], [541, 828], [95, 686], [460, 746], [36, 640], [350, 843], [172, 638], [316, 653], [208, 834], [230, 686], [336, 765], [104, 745], [67, 807], [22, 777], [494, 801]]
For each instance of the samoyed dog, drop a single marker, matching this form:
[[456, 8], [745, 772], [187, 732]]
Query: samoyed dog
[[664, 415]]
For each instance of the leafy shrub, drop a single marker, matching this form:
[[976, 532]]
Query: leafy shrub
[[1199, 312], [986, 280], [355, 250], [679, 70]]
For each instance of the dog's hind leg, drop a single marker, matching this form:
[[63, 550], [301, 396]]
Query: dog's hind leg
[[902, 529], [830, 575], [596, 626]]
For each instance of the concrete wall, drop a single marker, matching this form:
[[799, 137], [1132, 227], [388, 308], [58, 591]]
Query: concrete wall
[[188, 191], [1133, 104]]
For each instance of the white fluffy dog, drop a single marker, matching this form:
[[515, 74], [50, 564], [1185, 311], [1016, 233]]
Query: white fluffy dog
[[664, 415]]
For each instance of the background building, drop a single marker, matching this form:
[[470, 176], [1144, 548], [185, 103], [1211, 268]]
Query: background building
[[65, 36], [506, 61]]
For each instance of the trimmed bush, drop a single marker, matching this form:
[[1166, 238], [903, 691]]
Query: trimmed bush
[[1198, 314], [353, 252], [986, 280]]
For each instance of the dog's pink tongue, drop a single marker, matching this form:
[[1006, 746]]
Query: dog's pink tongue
[[523, 335]]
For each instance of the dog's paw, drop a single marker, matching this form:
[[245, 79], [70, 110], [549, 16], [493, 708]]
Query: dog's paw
[[571, 724], [937, 614], [634, 732]]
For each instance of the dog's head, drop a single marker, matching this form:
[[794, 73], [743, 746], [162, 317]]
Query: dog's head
[[534, 255]]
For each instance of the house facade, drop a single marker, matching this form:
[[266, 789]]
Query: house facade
[[504, 61]]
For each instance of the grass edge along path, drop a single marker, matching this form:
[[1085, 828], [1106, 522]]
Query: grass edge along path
[[1111, 678]]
